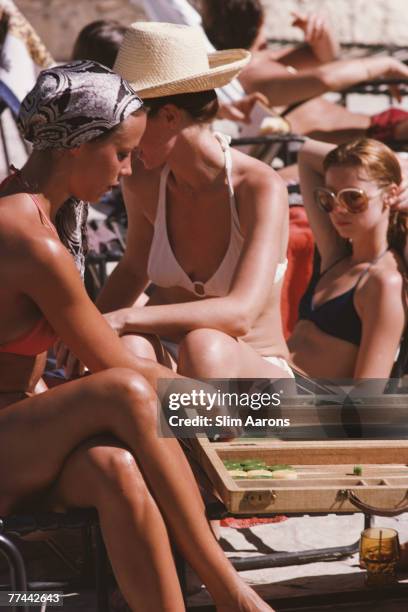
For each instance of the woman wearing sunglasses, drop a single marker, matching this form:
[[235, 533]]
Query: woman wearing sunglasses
[[352, 320]]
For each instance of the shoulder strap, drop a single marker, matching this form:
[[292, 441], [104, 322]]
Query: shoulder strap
[[332, 265], [45, 220], [370, 265], [162, 192], [43, 216], [224, 141]]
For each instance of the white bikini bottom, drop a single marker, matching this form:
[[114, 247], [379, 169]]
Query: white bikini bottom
[[281, 363], [173, 349]]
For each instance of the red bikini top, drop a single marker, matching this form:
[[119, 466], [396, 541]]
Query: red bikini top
[[40, 337]]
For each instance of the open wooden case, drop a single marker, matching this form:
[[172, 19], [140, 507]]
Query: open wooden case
[[325, 480]]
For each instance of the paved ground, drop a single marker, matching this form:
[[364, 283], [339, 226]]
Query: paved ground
[[302, 582], [321, 586]]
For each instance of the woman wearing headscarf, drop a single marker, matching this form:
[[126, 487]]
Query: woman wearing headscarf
[[88, 442]]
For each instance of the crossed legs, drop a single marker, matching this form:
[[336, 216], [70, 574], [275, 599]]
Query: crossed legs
[[101, 473], [120, 403]]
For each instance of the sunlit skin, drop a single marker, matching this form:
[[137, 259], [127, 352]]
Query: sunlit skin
[[107, 162], [211, 330], [303, 73], [18, 312], [156, 144], [316, 71], [371, 224], [99, 432], [379, 298]]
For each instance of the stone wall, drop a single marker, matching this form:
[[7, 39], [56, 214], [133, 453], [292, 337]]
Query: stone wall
[[59, 21], [367, 21], [383, 21]]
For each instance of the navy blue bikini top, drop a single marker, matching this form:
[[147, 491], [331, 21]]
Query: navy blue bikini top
[[338, 316]]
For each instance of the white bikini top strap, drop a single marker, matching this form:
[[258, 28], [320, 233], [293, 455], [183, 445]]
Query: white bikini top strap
[[162, 192], [224, 141]]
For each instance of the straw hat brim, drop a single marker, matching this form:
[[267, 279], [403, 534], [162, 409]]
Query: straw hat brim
[[223, 67]]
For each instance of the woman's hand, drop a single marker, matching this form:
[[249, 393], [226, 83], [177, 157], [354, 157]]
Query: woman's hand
[[117, 320], [319, 35], [385, 67], [401, 201], [241, 109], [395, 69], [402, 197], [66, 360]]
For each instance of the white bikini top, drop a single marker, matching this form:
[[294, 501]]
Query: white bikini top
[[163, 268]]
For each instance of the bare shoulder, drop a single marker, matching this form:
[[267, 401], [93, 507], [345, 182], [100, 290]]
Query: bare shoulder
[[21, 227], [383, 284], [382, 279], [141, 189], [257, 178], [29, 247], [261, 197]]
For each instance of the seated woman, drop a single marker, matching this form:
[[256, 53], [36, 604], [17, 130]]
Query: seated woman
[[88, 442], [100, 41], [207, 225], [352, 322]]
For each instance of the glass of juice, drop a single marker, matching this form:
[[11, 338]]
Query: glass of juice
[[379, 553]]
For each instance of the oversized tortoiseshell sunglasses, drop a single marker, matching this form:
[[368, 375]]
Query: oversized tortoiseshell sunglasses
[[352, 199]]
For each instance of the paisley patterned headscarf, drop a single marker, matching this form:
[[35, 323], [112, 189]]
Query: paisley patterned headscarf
[[70, 105], [75, 103]]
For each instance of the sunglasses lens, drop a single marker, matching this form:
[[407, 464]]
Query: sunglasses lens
[[324, 199], [354, 200]]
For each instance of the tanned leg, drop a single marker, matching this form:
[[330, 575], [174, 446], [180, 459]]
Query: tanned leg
[[122, 403], [102, 474]]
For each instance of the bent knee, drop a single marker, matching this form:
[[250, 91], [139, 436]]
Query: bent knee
[[126, 386], [97, 471], [203, 350], [136, 399], [141, 345], [210, 343], [128, 400], [113, 467]]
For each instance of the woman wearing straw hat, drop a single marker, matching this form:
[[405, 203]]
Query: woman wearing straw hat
[[93, 441], [207, 226]]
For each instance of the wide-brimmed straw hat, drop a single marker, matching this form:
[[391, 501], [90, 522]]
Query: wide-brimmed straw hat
[[164, 59]]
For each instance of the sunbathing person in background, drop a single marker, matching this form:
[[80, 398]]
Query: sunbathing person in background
[[246, 23], [98, 435], [352, 322], [207, 224], [298, 75]]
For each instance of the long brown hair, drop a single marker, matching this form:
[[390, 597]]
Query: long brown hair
[[381, 165], [99, 41]]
